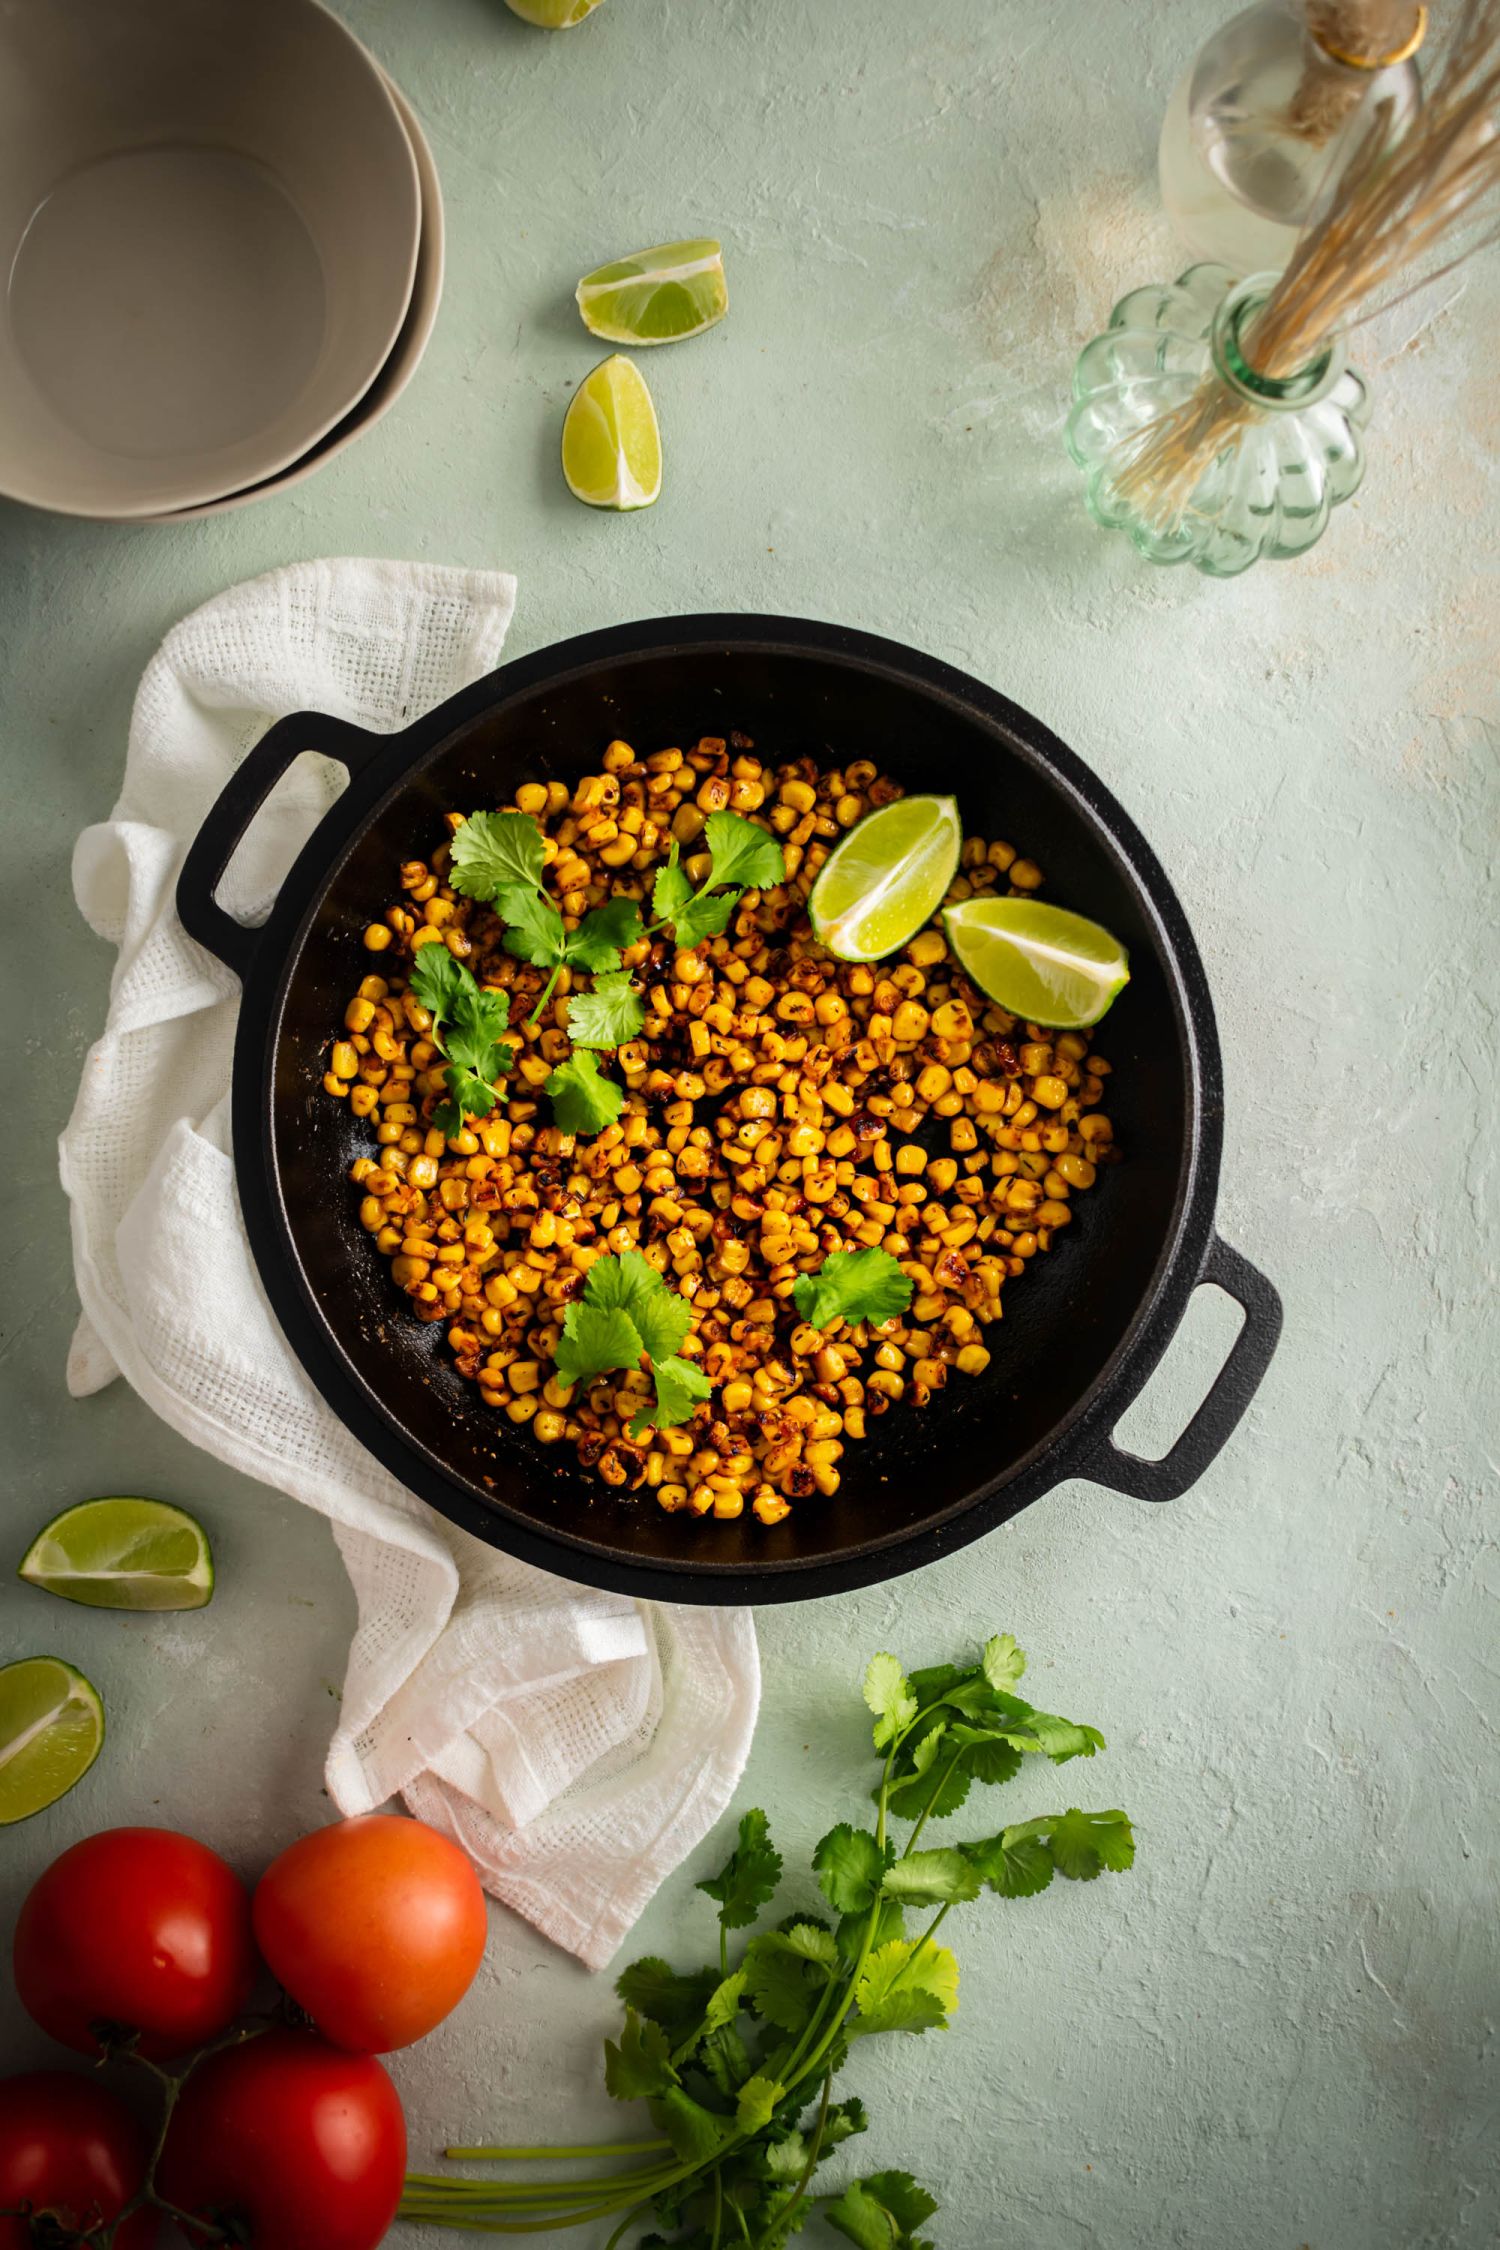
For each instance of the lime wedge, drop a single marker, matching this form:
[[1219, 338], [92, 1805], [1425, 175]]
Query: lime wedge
[[656, 296], [552, 15], [886, 878], [51, 1731], [1045, 965], [123, 1554], [611, 446]]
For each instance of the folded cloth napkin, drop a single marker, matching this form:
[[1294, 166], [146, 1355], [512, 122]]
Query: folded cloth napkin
[[577, 1744]]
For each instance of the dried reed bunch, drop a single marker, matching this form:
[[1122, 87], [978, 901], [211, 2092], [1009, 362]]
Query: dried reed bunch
[[1347, 40], [1394, 204]]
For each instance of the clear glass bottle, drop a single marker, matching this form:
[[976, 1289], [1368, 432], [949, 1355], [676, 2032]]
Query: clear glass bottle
[[1289, 449], [1267, 115]]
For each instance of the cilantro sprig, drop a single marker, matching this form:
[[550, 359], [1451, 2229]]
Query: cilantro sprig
[[467, 1022], [736, 2060], [499, 857], [742, 856], [627, 1314], [853, 1285]]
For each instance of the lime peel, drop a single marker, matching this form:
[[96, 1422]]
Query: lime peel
[[611, 446], [51, 1731], [886, 878], [1040, 962], [123, 1553], [552, 15], [656, 296]]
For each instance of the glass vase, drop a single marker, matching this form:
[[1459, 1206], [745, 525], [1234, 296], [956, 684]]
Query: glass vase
[[1266, 116], [1191, 452]]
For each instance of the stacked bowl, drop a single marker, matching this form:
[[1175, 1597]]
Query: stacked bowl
[[223, 236]]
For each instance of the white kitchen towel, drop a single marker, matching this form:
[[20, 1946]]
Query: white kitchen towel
[[577, 1744]]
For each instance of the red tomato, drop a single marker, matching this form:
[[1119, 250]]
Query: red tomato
[[289, 2144], [137, 1927], [376, 1927], [69, 2150]]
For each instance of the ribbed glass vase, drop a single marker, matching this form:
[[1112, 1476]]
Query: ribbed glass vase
[[1291, 448]]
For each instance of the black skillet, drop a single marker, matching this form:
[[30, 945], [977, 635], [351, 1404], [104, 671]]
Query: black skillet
[[1082, 1330]]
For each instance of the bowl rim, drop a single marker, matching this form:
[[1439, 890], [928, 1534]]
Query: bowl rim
[[404, 159], [1082, 1431]]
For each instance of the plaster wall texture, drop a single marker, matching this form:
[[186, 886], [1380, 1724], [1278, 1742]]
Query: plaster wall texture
[[1280, 2030]]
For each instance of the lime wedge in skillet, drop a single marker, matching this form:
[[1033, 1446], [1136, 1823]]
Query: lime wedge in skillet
[[611, 446], [51, 1731], [656, 296], [123, 1554], [1043, 964], [886, 878]]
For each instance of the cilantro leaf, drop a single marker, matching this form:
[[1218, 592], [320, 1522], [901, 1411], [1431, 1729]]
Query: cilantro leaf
[[680, 1384], [1084, 1843], [853, 1285], [1003, 1661], [582, 1100], [810, 1941], [935, 1878], [437, 979], [749, 1877], [596, 1339], [1013, 1864], [662, 1317], [640, 2064], [908, 1985], [724, 2002], [757, 2102], [743, 852], [495, 848], [725, 2057], [850, 1865], [881, 2212], [783, 1985], [888, 1694], [844, 2120], [534, 929], [703, 917], [603, 935], [607, 1016], [695, 2133], [671, 890], [674, 2001]]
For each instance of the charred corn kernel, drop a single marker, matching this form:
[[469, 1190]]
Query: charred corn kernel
[[1051, 1213], [933, 1082], [362, 1100], [671, 1497], [343, 1062], [952, 1021], [549, 1425], [1096, 1128], [830, 1364], [972, 1360], [727, 1503], [926, 948], [376, 937], [359, 1015], [910, 1023], [333, 1084], [422, 1171], [371, 1213], [1049, 1091], [735, 1398], [523, 1409], [1025, 874], [962, 1135], [827, 1481], [770, 1507], [531, 797], [500, 1291], [1077, 1171]]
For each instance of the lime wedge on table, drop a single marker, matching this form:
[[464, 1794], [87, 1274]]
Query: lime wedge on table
[[656, 296], [552, 15], [1042, 963], [886, 878], [123, 1554], [611, 446], [51, 1730]]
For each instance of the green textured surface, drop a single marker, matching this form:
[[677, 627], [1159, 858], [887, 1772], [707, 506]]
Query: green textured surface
[[1279, 2031]]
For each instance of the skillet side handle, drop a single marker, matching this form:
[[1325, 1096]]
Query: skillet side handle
[[1233, 1388], [236, 806]]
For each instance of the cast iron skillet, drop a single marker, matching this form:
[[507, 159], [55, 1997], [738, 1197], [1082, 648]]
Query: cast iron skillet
[[1082, 1330]]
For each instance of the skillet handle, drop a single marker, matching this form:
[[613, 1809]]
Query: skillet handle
[[1233, 1387], [236, 806]]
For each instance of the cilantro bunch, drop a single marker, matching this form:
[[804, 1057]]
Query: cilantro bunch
[[628, 1314], [498, 858], [737, 2059]]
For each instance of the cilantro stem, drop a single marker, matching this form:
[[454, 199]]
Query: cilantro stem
[[547, 2154], [812, 2155], [926, 1813], [547, 991], [718, 2209]]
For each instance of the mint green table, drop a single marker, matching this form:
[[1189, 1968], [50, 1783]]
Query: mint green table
[[1280, 2030]]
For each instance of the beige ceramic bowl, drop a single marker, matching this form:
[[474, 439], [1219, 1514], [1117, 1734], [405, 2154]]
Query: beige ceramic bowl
[[427, 290], [209, 217]]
